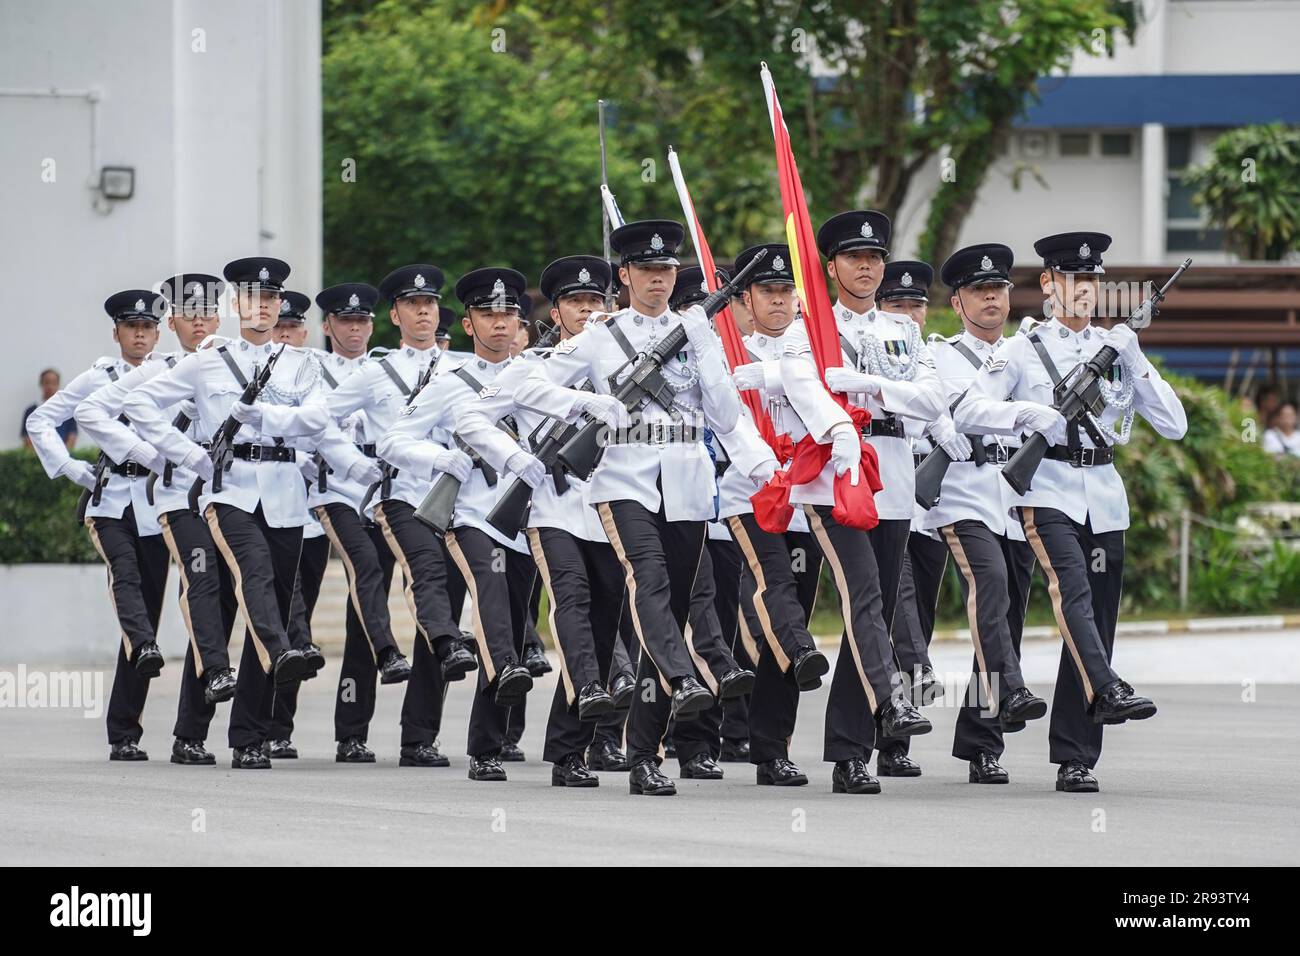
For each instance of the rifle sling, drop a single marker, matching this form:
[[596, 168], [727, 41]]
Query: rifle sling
[[1072, 427]]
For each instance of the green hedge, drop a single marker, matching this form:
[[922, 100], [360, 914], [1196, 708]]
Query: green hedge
[[38, 517]]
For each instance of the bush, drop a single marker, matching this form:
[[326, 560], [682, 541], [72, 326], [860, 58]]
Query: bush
[[38, 517]]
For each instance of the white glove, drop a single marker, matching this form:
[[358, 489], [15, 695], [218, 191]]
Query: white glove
[[763, 471], [528, 467], [699, 329], [351, 425], [1125, 341], [307, 466], [747, 376], [145, 454], [250, 415], [199, 462], [454, 462], [604, 408], [79, 472], [189, 409], [1031, 416], [954, 444], [846, 451], [365, 471], [840, 379]]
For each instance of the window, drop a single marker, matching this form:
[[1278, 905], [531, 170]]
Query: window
[[1185, 222], [1075, 144], [1033, 145], [1116, 144]]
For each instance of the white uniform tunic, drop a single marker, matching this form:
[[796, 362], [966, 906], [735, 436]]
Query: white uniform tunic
[[1093, 493], [869, 334], [637, 471], [355, 427], [293, 410], [119, 492]]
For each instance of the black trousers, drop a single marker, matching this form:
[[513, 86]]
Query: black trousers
[[1085, 577], [659, 559], [435, 592], [137, 581], [518, 721], [865, 672], [208, 607], [585, 583], [623, 661], [728, 563], [924, 563], [784, 568], [312, 562], [500, 581], [977, 729], [263, 561]]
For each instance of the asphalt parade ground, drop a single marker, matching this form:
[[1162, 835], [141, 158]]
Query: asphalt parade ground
[[1213, 779]]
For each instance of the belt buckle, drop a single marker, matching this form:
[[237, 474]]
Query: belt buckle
[[1000, 455], [1087, 457], [657, 433], [254, 452]]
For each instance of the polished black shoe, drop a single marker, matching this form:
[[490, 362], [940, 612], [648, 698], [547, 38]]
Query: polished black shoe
[[282, 749], [572, 772], [605, 755], [1118, 702], [486, 768], [513, 683], [422, 755], [809, 667], [1075, 777], [852, 776], [736, 684], [148, 659], [192, 752], [701, 767], [220, 685], [779, 772], [895, 762], [690, 699], [353, 750], [986, 769], [928, 688], [535, 660], [1019, 706], [291, 666], [621, 688], [594, 701], [457, 662], [648, 780], [898, 717], [394, 668], [126, 750], [250, 758], [315, 659], [511, 752], [734, 751]]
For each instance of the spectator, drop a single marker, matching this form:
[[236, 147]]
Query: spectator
[[1282, 437], [1267, 400], [49, 385]]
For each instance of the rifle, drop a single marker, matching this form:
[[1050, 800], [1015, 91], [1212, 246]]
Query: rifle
[[440, 501], [87, 495], [181, 422], [931, 472], [220, 451], [387, 471], [646, 380], [1078, 394]]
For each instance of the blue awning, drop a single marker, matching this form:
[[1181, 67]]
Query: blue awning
[[1171, 100]]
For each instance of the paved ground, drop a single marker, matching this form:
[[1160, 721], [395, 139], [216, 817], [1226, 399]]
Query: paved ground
[[1211, 780]]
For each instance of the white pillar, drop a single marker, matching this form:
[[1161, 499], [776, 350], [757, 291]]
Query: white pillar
[[1151, 245]]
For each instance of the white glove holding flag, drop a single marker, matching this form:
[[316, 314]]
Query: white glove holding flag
[[1031, 416], [954, 444], [79, 473], [454, 462], [604, 408], [840, 379], [748, 376], [846, 451], [528, 467]]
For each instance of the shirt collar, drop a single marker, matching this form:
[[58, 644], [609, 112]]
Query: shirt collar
[[848, 314], [1056, 330]]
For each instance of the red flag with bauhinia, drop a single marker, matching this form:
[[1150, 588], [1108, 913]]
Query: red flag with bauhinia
[[732, 344], [855, 505]]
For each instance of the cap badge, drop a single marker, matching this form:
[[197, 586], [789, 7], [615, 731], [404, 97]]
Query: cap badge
[[656, 242], [1085, 251], [584, 275], [906, 280], [284, 305], [353, 300], [499, 287], [263, 274], [866, 230], [418, 281], [139, 305], [778, 264], [986, 263]]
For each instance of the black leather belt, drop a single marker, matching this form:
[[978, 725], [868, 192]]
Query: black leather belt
[[885, 426], [130, 469], [656, 433], [993, 454], [1081, 457], [256, 453], [367, 449]]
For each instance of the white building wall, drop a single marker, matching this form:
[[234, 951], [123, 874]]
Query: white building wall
[[222, 127]]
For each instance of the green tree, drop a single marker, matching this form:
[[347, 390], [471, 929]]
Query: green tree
[[1250, 187]]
